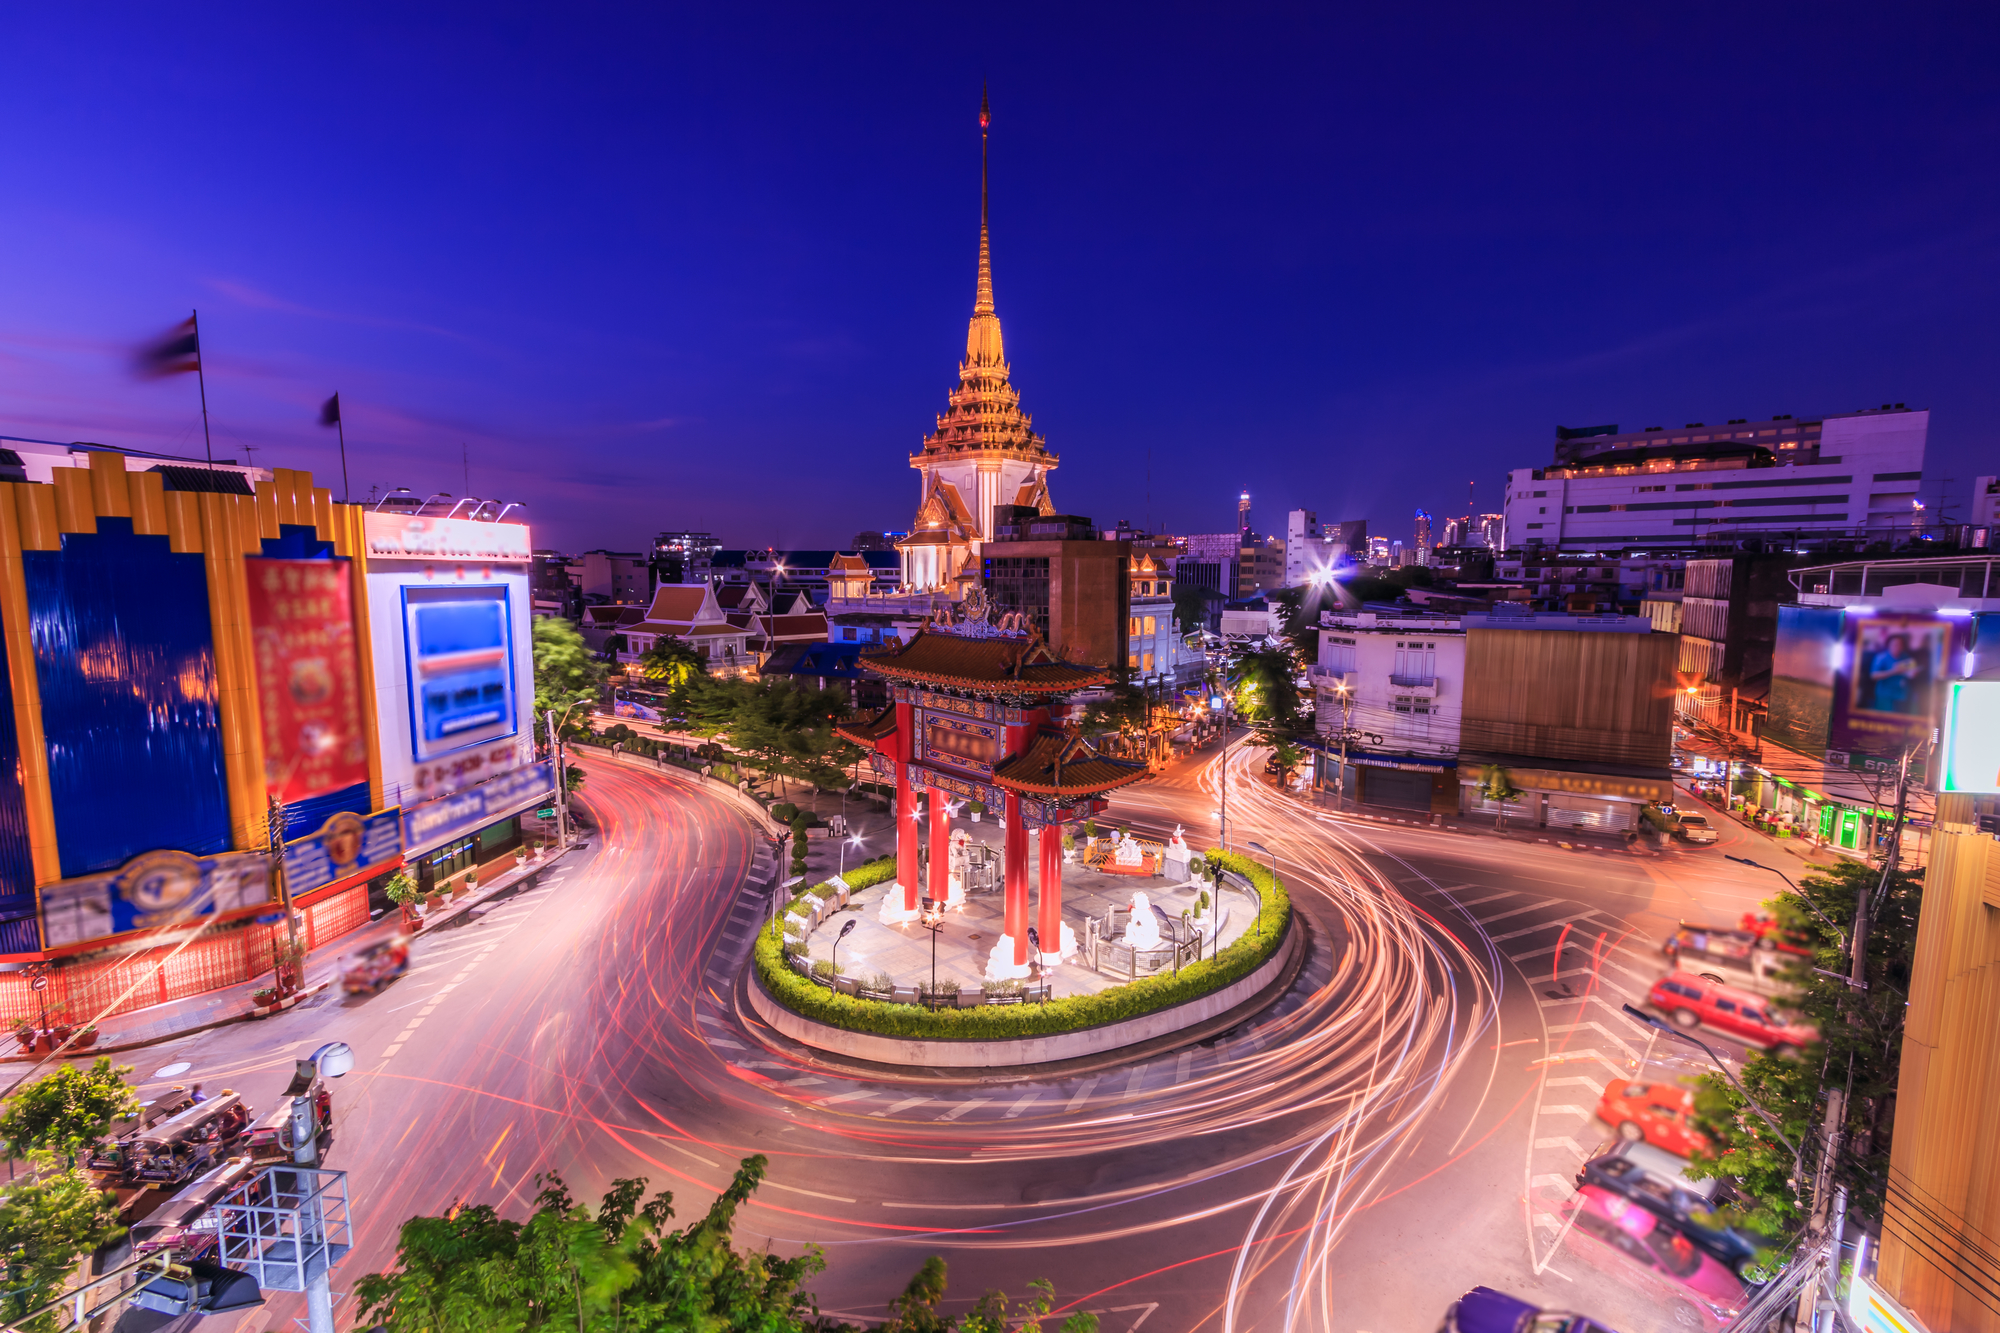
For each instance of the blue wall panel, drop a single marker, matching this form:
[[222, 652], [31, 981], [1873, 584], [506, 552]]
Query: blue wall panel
[[18, 933], [126, 663], [297, 541], [303, 818]]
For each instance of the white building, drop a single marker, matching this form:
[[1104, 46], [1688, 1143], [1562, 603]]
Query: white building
[[1851, 473], [1985, 513], [1304, 546], [1395, 684]]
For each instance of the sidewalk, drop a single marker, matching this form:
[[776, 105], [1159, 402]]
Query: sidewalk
[[1460, 825], [211, 1009]]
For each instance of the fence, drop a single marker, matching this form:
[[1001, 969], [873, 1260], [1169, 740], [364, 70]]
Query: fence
[[90, 988], [1103, 953]]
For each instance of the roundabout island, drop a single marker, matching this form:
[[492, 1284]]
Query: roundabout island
[[961, 954]]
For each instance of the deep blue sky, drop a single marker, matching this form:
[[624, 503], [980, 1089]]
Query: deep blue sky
[[710, 267]]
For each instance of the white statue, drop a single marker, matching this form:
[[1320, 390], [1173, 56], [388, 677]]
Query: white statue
[[1142, 931], [1177, 855], [1129, 852]]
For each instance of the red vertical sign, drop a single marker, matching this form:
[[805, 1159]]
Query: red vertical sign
[[302, 622]]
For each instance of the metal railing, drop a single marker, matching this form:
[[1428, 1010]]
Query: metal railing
[[286, 1226]]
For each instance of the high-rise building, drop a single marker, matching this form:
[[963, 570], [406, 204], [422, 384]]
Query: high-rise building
[[1423, 544], [1243, 512], [683, 557], [1491, 529], [1851, 474], [1378, 550], [1304, 543], [1054, 572], [984, 451]]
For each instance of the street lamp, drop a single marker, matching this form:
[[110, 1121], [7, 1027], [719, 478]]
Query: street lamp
[[845, 843], [933, 921], [1838, 933], [846, 929], [1173, 932], [1661, 1025]]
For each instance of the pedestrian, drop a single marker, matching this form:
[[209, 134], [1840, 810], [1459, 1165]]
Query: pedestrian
[[197, 1096]]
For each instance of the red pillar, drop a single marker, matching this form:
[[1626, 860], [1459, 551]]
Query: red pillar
[[1049, 927], [1017, 880], [940, 887], [906, 837]]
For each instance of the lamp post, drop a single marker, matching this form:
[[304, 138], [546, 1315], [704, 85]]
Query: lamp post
[[1661, 1025], [1173, 933], [1838, 933], [845, 843], [1340, 778], [846, 928], [933, 921]]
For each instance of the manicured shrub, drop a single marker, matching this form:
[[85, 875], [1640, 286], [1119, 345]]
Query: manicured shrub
[[1071, 1013]]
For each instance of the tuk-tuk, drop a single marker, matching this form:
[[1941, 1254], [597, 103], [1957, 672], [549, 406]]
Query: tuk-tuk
[[181, 1147], [1728, 958], [368, 970], [270, 1138], [171, 1223]]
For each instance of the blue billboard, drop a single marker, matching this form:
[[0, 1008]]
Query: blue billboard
[[461, 664], [426, 825]]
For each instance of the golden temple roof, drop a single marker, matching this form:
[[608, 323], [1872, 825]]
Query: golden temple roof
[[1060, 763], [995, 664]]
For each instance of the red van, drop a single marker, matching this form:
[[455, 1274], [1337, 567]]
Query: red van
[[1693, 1001]]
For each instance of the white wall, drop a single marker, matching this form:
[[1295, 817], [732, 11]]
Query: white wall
[[1382, 706]]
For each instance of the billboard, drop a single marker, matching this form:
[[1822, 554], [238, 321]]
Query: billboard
[[152, 890], [302, 627], [460, 650], [456, 540], [433, 822], [346, 845], [1971, 738], [1802, 671], [1890, 683]]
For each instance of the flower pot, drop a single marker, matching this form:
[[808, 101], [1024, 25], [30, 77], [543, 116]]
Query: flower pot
[[975, 816], [85, 1039]]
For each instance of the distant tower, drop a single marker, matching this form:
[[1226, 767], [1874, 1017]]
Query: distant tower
[[1423, 553], [984, 452], [1243, 512]]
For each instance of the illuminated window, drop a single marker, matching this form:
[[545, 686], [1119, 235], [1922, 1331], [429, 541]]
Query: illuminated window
[[1134, 631], [1132, 661], [1152, 624], [1149, 663]]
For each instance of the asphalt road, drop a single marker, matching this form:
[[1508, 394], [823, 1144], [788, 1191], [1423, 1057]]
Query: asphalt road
[[1398, 1128]]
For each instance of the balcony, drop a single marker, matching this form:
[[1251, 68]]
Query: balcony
[[1329, 677], [1414, 687]]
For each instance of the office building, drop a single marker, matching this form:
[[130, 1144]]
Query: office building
[[1423, 544], [1304, 546], [614, 578], [1845, 475], [1062, 580], [683, 557]]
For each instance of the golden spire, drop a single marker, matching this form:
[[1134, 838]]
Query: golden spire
[[982, 301]]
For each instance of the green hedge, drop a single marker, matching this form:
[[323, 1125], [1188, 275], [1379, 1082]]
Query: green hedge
[[1071, 1013]]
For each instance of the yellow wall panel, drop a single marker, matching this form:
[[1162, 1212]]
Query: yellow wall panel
[[76, 506], [27, 719], [108, 495], [266, 507], [147, 494], [36, 506], [224, 521], [322, 513], [183, 522]]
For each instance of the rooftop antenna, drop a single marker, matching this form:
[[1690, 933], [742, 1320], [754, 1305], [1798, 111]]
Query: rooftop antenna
[[465, 459]]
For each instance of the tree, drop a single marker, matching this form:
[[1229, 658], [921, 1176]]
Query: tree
[[48, 1222], [1192, 605], [1288, 757], [1124, 711], [786, 732], [566, 673], [623, 1269], [673, 663], [1496, 784], [67, 1110], [1860, 1051], [1267, 695]]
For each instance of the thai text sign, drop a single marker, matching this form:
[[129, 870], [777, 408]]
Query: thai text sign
[[450, 816], [404, 537], [302, 625], [346, 845], [152, 890], [1971, 738]]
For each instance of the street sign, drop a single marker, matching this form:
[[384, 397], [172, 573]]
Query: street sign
[[1971, 738]]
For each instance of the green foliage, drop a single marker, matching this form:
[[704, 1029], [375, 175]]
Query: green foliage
[[67, 1110], [48, 1222], [785, 732], [916, 1310], [1497, 784], [401, 889], [566, 673], [1288, 757], [1192, 606], [1125, 710], [675, 664], [1067, 1014], [1267, 695], [572, 778], [784, 812], [1861, 1035]]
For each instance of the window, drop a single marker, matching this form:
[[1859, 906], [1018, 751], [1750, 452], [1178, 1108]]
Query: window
[[1540, 494], [1132, 664], [1336, 654], [1416, 663], [1413, 718], [1729, 1006], [849, 635], [1153, 624], [1149, 667]]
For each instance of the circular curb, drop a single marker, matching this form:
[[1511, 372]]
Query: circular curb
[[1190, 1020]]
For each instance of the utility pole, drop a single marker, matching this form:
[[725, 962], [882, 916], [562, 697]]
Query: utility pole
[[1340, 779], [562, 787], [279, 821]]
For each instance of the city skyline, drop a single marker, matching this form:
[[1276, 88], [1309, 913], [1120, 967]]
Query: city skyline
[[719, 254]]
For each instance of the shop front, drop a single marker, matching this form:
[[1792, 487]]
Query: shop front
[[1571, 801]]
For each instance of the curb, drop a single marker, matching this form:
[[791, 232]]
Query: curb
[[1421, 824], [749, 1014]]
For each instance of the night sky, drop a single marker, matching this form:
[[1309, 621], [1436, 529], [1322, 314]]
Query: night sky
[[710, 267]]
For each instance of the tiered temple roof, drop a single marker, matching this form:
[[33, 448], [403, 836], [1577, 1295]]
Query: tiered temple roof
[[991, 664], [1061, 763]]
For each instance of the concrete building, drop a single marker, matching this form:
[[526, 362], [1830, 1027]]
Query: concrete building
[[1059, 577], [1260, 566], [1393, 684], [683, 557], [1854, 474], [1378, 551], [1728, 631], [1984, 515], [618, 578], [1304, 546], [1423, 544]]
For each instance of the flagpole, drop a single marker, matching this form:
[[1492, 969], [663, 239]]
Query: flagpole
[[201, 378]]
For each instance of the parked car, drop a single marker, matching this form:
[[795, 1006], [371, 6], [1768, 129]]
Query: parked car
[[1652, 1178], [1619, 1238], [1696, 829], [1655, 1113], [1691, 1001], [1484, 1310], [1728, 958], [1770, 934]]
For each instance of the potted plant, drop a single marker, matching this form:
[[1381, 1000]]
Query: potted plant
[[263, 997], [977, 808], [520, 856], [402, 891], [1069, 847], [86, 1037], [25, 1034]]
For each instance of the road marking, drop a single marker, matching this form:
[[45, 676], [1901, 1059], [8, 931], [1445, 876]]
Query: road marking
[[814, 1193], [1023, 1104], [903, 1105], [724, 1041], [1182, 1066], [1531, 907], [1563, 1110], [1571, 1081], [1570, 1144], [392, 1050], [1560, 1182], [1082, 1094], [960, 1109], [846, 1096], [1491, 897], [805, 1082], [1132, 1083]]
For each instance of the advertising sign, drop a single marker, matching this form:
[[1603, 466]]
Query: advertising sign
[[1802, 670], [1971, 735], [404, 537], [449, 817], [1873, 1310], [153, 889], [302, 625], [461, 661], [1890, 682], [465, 768], [632, 709], [345, 846]]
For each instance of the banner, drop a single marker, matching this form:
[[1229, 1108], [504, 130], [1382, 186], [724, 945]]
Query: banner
[[1890, 683], [346, 845], [152, 890], [302, 626], [433, 822]]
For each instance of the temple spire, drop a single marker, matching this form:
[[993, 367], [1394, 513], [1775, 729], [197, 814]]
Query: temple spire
[[982, 302]]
